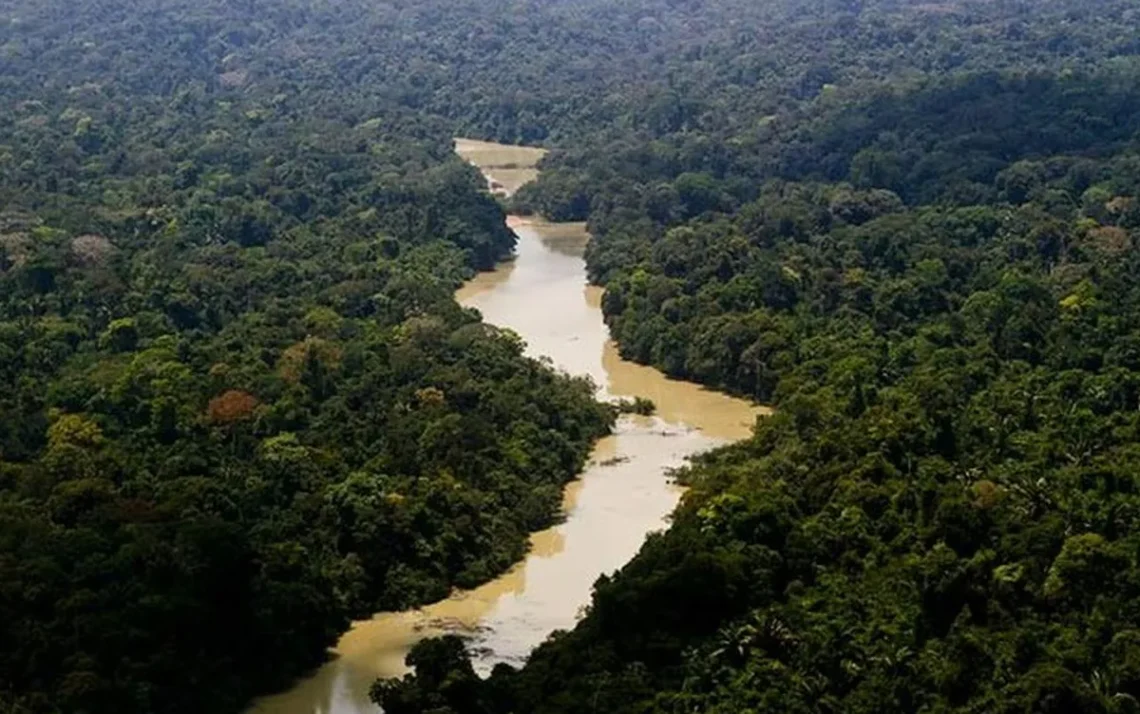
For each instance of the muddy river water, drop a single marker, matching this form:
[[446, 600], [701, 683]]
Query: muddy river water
[[623, 494]]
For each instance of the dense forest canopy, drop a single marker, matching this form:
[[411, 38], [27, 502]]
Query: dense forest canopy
[[931, 273], [536, 70], [238, 405], [940, 517]]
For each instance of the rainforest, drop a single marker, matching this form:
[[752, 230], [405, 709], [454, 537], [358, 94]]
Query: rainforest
[[242, 409]]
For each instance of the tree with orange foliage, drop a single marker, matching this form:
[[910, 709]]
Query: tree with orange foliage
[[231, 406], [293, 360]]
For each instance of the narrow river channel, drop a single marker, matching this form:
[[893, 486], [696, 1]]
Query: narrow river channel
[[624, 493]]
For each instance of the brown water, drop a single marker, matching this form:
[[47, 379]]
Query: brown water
[[623, 494], [507, 168]]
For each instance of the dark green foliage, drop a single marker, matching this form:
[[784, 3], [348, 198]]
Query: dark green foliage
[[934, 283], [637, 405], [443, 681], [281, 437], [238, 406]]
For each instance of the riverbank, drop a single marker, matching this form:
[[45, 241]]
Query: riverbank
[[623, 494]]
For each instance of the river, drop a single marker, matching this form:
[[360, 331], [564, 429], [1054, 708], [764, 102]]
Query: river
[[623, 494]]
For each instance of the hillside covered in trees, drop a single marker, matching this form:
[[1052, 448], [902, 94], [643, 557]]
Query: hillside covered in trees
[[941, 516], [239, 405], [932, 277]]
